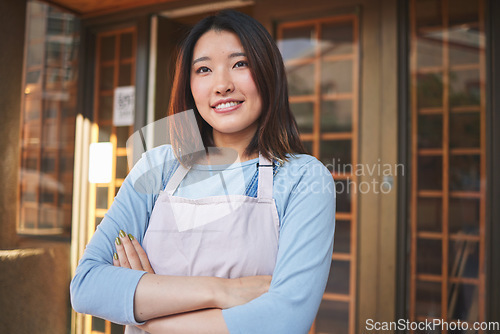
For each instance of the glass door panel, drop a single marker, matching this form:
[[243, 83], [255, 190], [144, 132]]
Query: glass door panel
[[448, 160]]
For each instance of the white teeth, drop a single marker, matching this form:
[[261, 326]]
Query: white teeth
[[226, 105]]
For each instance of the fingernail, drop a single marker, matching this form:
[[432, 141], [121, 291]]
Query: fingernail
[[115, 256], [131, 237], [122, 234], [118, 241]]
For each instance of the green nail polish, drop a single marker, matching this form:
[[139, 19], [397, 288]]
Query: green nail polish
[[118, 241], [131, 237], [115, 256], [122, 234]]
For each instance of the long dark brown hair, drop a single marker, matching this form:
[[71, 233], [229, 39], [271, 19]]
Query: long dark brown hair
[[277, 134]]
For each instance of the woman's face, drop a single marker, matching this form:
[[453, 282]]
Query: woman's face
[[222, 85]]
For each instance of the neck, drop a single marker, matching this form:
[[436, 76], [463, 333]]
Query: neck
[[237, 142]]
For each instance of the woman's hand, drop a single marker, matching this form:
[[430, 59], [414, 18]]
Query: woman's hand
[[130, 254]]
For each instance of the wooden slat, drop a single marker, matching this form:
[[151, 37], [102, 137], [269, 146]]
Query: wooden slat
[[336, 297], [430, 235], [338, 96], [429, 278], [337, 136], [302, 99], [465, 151], [429, 111], [465, 194], [429, 193], [341, 256], [430, 151], [463, 109]]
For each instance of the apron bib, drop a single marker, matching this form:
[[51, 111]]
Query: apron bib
[[223, 236]]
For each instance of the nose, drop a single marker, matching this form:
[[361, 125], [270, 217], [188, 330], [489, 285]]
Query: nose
[[223, 82]]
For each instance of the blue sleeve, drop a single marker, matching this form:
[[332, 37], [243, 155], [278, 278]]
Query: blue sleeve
[[303, 261], [98, 288]]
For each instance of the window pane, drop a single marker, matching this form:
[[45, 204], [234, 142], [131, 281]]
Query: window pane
[[46, 178], [428, 299], [126, 45], [106, 78], [429, 50], [121, 167], [430, 131], [337, 38], [336, 116], [125, 76], [429, 214], [297, 43], [463, 259], [301, 79], [333, 317], [342, 242], [465, 88], [464, 215], [338, 281], [101, 198], [337, 153], [429, 256], [303, 113], [344, 188], [336, 77], [464, 45], [465, 172], [465, 130], [108, 48], [122, 135], [463, 298], [430, 173], [105, 108], [430, 90], [428, 13]]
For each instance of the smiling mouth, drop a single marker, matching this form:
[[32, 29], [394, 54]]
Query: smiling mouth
[[227, 105]]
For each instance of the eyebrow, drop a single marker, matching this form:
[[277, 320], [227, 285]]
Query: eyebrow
[[232, 55]]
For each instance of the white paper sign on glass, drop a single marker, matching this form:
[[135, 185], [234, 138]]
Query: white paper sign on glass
[[124, 106]]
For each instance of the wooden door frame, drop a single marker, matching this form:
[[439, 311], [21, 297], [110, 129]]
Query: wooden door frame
[[403, 185], [493, 159]]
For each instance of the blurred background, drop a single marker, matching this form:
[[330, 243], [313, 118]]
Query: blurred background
[[396, 97]]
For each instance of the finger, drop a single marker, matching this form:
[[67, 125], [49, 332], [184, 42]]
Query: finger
[[122, 256], [143, 257], [132, 257], [116, 262]]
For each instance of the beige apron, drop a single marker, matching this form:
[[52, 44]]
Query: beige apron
[[224, 236]]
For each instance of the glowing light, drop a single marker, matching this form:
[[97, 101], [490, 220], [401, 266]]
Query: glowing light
[[100, 162]]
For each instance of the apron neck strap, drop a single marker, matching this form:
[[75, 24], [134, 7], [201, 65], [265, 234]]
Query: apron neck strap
[[265, 185], [176, 179]]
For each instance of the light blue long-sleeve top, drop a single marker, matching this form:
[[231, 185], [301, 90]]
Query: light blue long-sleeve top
[[304, 193]]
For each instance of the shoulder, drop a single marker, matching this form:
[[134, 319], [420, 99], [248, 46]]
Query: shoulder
[[305, 164], [305, 172], [147, 173]]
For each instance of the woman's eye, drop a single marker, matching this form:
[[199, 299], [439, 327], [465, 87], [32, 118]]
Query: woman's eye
[[241, 63], [203, 69]]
